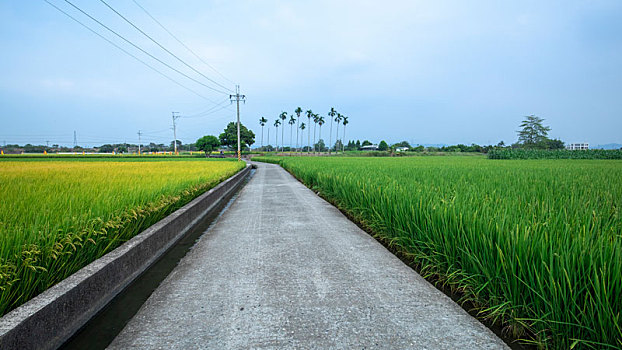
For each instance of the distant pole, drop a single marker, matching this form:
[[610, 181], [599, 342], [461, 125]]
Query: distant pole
[[47, 144], [139, 134], [175, 117], [75, 139], [237, 97]]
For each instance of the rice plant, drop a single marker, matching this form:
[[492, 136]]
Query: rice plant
[[56, 216], [536, 244]]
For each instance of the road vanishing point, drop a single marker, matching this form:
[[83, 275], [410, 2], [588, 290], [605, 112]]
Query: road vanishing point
[[282, 268]]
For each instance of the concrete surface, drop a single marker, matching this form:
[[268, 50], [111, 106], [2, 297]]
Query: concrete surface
[[49, 319], [282, 268]]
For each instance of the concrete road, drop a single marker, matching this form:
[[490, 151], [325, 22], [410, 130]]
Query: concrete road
[[282, 268]]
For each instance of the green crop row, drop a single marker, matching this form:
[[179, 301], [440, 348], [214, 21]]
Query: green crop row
[[57, 216], [537, 245], [519, 153]]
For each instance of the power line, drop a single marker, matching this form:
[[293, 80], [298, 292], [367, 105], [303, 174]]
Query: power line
[[182, 44], [127, 52], [162, 47], [212, 110], [139, 48]]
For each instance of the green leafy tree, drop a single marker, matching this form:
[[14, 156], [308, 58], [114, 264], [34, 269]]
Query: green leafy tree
[[533, 134], [230, 136], [208, 143], [382, 146], [366, 143]]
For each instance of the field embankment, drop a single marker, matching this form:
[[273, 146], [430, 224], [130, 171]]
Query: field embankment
[[537, 245], [56, 216]]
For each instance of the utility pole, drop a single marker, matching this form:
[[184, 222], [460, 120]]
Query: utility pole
[[237, 97], [75, 139], [47, 144], [139, 134], [175, 117]]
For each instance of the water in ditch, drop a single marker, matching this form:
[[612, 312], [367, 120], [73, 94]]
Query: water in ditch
[[101, 330]]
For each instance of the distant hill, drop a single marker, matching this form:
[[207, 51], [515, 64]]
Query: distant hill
[[609, 146]]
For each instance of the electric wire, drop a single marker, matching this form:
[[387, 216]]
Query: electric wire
[[142, 50], [182, 44], [127, 52], [162, 47], [203, 113]]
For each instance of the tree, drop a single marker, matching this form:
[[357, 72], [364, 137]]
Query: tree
[[283, 116], [366, 143], [320, 145], [402, 144], [382, 146], [331, 114], [316, 117], [277, 122], [230, 136], [533, 134], [208, 143], [173, 144], [291, 122], [302, 127], [345, 122], [338, 120], [309, 115], [298, 111], [262, 122], [320, 122]]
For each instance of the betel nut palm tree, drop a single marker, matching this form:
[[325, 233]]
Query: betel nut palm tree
[[338, 120], [291, 123], [277, 122], [298, 111], [320, 122], [262, 122], [309, 116], [283, 116], [332, 113], [302, 127], [315, 118], [344, 122]]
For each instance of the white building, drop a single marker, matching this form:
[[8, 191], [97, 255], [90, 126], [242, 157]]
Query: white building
[[577, 146], [369, 148]]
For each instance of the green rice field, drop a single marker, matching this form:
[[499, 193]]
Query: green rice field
[[536, 245], [58, 215]]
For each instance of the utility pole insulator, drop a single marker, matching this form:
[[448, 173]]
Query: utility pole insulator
[[237, 98]]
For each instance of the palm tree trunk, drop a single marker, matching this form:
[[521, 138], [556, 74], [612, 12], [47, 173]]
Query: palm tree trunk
[[297, 126], [290, 139], [268, 133], [282, 139], [262, 137], [319, 138], [343, 145], [309, 138], [330, 136], [314, 148], [337, 138]]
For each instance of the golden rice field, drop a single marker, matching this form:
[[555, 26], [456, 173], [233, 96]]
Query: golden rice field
[[56, 216]]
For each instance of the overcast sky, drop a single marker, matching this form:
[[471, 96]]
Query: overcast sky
[[422, 71]]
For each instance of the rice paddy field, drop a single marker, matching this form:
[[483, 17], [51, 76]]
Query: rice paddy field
[[58, 215], [535, 245]]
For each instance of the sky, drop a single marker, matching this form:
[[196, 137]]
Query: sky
[[428, 72]]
